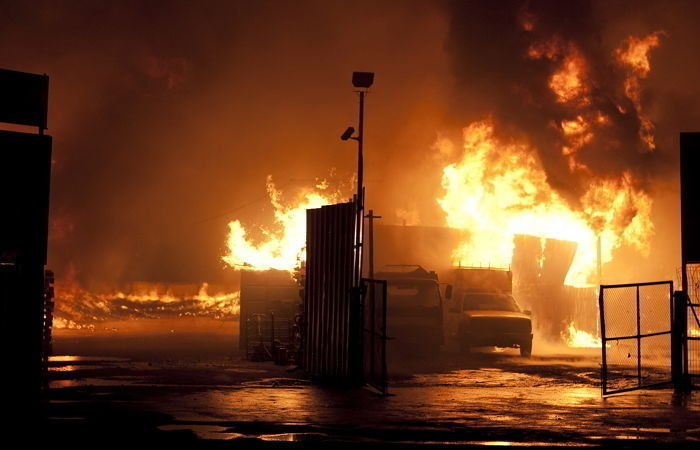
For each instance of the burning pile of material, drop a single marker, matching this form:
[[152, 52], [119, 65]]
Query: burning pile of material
[[81, 309]]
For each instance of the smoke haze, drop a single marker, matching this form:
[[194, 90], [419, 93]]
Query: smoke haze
[[168, 116]]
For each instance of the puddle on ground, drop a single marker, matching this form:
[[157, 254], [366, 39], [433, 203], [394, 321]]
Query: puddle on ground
[[520, 444], [293, 437], [276, 383], [83, 382], [214, 432], [244, 370]]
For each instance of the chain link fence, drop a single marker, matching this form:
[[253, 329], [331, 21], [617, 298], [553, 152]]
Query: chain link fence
[[636, 335], [271, 337], [693, 321]]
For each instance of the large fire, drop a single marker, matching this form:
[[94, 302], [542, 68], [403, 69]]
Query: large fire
[[282, 247], [499, 189]]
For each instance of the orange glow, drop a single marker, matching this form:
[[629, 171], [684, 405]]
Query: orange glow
[[577, 133], [580, 339], [78, 309], [283, 246], [635, 58], [636, 54], [568, 81], [499, 188]]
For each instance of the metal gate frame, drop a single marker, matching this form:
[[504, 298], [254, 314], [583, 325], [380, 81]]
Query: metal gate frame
[[374, 334], [638, 336], [691, 357], [690, 323]]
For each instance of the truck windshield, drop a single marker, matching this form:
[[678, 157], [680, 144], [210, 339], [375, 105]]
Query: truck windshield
[[413, 293], [492, 302]]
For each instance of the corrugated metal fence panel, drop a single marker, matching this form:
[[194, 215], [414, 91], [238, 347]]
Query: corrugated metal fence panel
[[329, 308]]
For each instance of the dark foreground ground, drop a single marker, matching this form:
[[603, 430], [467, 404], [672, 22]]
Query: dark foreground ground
[[180, 388]]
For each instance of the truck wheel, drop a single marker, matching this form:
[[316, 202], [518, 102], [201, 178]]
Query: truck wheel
[[526, 348]]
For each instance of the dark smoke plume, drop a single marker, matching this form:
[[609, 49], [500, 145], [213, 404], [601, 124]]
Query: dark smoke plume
[[489, 44], [167, 116]]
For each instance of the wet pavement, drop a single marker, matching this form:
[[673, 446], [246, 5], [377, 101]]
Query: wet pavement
[[488, 398]]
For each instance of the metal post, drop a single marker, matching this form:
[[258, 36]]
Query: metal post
[[372, 326], [384, 338], [604, 366], [600, 261], [370, 273], [639, 344], [370, 216], [360, 162], [678, 322], [357, 322], [360, 189]]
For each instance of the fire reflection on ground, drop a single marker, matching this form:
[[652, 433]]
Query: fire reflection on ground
[[483, 398]]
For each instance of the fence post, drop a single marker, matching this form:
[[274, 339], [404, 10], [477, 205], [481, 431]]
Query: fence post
[[604, 366], [679, 324], [639, 342]]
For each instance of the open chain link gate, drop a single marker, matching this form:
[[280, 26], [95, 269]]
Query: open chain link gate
[[636, 335], [691, 357]]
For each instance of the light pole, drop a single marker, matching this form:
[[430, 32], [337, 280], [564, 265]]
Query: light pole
[[362, 82]]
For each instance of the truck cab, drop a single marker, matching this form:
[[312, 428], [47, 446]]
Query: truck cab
[[484, 313], [414, 308]]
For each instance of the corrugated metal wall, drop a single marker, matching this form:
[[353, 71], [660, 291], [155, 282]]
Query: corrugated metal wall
[[332, 342]]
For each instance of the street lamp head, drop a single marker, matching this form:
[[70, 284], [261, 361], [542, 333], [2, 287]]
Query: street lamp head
[[347, 134], [362, 79]]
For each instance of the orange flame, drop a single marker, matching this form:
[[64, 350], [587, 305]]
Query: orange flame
[[635, 57], [499, 189], [79, 309], [580, 339], [282, 248], [568, 81]]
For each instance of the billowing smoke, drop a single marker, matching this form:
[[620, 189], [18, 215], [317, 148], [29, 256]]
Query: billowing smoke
[[168, 116], [507, 56], [571, 79]]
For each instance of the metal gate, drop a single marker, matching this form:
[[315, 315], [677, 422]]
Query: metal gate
[[636, 335], [692, 332], [374, 334]]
